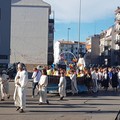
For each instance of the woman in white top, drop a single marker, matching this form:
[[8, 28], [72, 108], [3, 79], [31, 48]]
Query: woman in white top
[[43, 87]]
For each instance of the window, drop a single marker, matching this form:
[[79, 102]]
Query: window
[[3, 57]]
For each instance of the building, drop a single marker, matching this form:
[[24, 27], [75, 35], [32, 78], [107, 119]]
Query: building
[[93, 51], [31, 32], [106, 46], [67, 50], [110, 43], [50, 41], [5, 19], [117, 35], [104, 49]]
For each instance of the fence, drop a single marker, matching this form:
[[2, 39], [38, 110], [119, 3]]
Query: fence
[[53, 82]]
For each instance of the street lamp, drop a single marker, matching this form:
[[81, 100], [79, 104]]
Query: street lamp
[[68, 33], [79, 26]]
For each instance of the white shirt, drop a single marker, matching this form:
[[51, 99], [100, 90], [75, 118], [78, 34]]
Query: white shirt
[[36, 76], [94, 75], [119, 75], [73, 77], [105, 75], [23, 78], [43, 81], [62, 82]]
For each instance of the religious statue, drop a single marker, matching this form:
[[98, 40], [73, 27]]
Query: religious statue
[[81, 62]]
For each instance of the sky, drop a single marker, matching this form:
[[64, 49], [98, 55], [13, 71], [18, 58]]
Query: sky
[[95, 16]]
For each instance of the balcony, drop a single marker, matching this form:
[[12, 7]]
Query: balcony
[[109, 38], [117, 42], [107, 47], [117, 29]]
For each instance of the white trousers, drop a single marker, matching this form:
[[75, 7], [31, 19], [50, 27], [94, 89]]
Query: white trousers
[[43, 95], [20, 97]]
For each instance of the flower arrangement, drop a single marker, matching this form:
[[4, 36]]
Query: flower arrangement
[[71, 66], [74, 60]]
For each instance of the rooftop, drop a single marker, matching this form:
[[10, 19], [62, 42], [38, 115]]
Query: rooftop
[[70, 42], [118, 10], [30, 3]]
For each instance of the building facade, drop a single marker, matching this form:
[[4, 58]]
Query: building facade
[[104, 49], [110, 43], [68, 50], [5, 22], [117, 35], [106, 46], [93, 50], [30, 23], [50, 41]]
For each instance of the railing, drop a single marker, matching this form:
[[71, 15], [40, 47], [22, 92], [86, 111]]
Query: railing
[[53, 82]]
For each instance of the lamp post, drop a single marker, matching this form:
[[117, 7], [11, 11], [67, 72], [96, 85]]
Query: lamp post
[[79, 26], [68, 33]]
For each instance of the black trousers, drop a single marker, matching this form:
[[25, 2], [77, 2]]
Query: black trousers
[[33, 87]]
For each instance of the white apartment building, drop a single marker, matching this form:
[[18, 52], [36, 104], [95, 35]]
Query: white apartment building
[[117, 35], [68, 50], [105, 47], [30, 31]]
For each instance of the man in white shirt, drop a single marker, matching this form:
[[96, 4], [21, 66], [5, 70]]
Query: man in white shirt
[[21, 81], [36, 77]]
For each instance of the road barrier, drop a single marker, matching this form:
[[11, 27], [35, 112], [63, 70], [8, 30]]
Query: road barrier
[[53, 82]]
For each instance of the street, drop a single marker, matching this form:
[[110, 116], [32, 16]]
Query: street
[[102, 105]]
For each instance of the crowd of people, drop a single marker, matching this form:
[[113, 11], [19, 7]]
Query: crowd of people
[[93, 78]]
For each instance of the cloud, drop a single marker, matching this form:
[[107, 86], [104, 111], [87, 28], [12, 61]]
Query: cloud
[[91, 10]]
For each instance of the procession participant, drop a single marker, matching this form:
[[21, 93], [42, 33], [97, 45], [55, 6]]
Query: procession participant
[[105, 82], [62, 86], [55, 72], [114, 79], [49, 70], [43, 87], [100, 78], [81, 63], [94, 79], [4, 85], [73, 82], [119, 77], [88, 80], [21, 81], [36, 77]]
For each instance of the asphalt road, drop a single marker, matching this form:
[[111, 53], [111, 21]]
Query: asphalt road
[[100, 106]]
